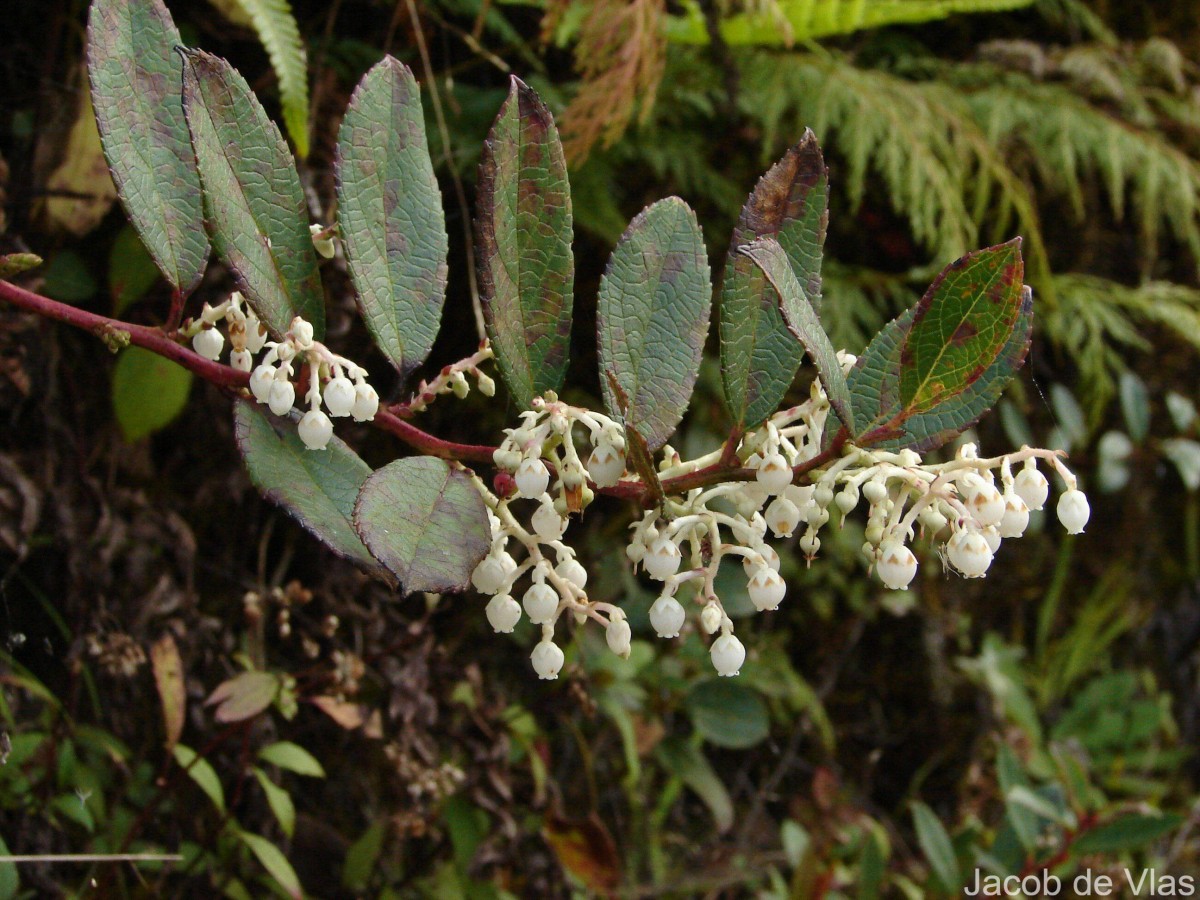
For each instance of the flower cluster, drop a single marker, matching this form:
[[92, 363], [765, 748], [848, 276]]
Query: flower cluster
[[557, 582], [345, 392], [966, 506]]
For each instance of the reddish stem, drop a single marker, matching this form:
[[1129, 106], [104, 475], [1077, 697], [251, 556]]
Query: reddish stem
[[156, 340], [162, 343]]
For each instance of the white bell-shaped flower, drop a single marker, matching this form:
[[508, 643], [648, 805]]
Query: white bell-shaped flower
[[571, 570], [662, 559], [774, 473], [782, 517], [261, 380], [1016, 517], [489, 576], [281, 396], [727, 654], [968, 551], [532, 478], [547, 523], [208, 343], [541, 603], [547, 659], [503, 613], [618, 635], [241, 360], [315, 429], [605, 465], [667, 617], [1074, 511], [896, 566], [1032, 486], [766, 588], [339, 396], [366, 403], [769, 558]]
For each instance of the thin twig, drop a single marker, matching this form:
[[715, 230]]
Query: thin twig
[[92, 858], [460, 195]]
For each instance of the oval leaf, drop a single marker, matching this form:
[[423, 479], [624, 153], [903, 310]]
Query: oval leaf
[[652, 318], [961, 325], [318, 487], [935, 844], [292, 757], [200, 770], [148, 392], [272, 859], [253, 204], [759, 357], [728, 715], [523, 222], [424, 522], [390, 212], [691, 766], [280, 802], [10, 881], [802, 321], [136, 96], [172, 694], [243, 696], [1129, 832], [874, 384]]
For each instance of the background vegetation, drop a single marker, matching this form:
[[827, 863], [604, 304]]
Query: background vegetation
[[875, 744]]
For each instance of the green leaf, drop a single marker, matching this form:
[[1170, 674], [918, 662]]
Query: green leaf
[[759, 356], [1135, 406], [200, 770], [727, 714], [935, 844], [523, 222], [10, 881], [68, 278], [131, 270], [1129, 832], [244, 696], [276, 28], [317, 487], [273, 860], [874, 384], [685, 760], [791, 22], [280, 802], [136, 96], [1185, 454], [362, 856], [425, 522], [148, 392], [254, 206], [652, 318], [961, 325], [13, 264], [390, 213], [1023, 820], [292, 757], [802, 321], [871, 867]]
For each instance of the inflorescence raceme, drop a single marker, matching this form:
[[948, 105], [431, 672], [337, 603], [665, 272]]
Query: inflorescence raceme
[[967, 505]]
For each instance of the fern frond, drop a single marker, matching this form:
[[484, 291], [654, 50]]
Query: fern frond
[[276, 28], [620, 57], [1097, 321], [939, 167], [1070, 143], [786, 22]]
